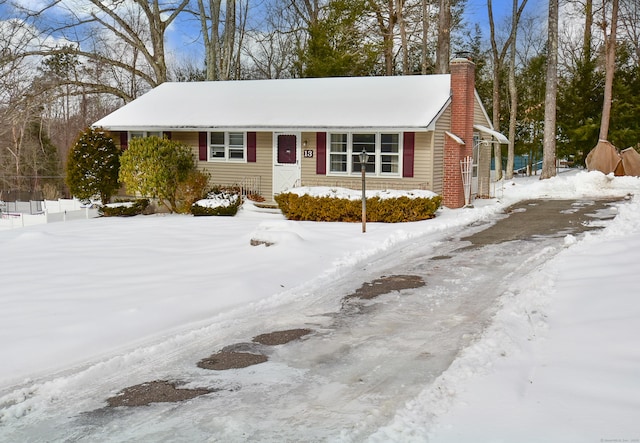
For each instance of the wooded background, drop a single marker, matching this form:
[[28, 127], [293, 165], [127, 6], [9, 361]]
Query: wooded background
[[66, 63]]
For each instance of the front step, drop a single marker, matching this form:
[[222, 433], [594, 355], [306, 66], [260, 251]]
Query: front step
[[262, 207]]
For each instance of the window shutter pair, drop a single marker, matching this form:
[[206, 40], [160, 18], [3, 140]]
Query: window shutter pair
[[408, 149], [251, 146]]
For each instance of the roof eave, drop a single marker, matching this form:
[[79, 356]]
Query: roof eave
[[270, 128]]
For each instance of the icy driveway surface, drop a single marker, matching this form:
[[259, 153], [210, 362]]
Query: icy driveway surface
[[343, 382]]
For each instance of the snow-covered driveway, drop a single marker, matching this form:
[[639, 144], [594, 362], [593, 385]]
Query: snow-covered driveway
[[364, 360]]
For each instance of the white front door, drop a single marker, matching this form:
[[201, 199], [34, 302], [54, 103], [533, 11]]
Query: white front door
[[286, 161]]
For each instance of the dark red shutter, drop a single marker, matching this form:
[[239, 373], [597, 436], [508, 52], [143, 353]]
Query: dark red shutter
[[124, 140], [251, 146], [202, 146], [321, 153], [167, 134], [408, 149]]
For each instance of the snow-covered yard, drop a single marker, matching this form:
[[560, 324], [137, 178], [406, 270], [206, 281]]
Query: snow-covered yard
[[559, 362]]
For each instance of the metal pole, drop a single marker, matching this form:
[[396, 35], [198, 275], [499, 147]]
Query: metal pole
[[364, 199]]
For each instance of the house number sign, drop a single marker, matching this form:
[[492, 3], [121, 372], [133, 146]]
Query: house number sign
[[308, 153]]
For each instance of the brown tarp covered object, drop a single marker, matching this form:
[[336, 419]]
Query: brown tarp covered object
[[606, 159], [631, 162]]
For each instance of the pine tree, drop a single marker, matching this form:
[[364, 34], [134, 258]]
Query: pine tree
[[93, 166], [336, 46]]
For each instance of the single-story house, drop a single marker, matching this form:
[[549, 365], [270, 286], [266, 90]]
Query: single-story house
[[271, 135]]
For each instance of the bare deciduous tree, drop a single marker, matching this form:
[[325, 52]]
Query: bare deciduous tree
[[222, 37], [498, 56], [126, 39]]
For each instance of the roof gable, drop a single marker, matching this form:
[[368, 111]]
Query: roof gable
[[401, 102]]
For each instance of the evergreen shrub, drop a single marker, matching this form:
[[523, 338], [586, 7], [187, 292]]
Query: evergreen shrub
[[136, 208], [93, 166], [228, 205], [388, 210]]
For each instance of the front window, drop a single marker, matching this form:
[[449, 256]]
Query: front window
[[227, 146], [143, 134], [383, 150]]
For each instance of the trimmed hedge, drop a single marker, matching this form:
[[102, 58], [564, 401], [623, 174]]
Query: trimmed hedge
[[388, 210], [138, 207]]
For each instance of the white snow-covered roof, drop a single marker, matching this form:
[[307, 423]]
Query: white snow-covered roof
[[401, 102]]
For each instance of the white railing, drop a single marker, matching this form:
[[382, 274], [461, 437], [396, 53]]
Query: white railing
[[250, 185]]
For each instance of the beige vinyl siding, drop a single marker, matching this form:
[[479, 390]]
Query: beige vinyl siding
[[308, 165], [230, 173], [479, 117], [423, 163], [423, 168], [443, 124]]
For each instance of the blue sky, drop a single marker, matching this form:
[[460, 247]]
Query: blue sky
[[476, 10]]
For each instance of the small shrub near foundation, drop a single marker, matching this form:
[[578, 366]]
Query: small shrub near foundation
[[125, 209], [387, 210], [218, 203]]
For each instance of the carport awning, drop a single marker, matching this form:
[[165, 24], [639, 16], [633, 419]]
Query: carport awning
[[498, 136]]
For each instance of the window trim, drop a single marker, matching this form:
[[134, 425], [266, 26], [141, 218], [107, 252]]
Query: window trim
[[377, 154], [227, 148]]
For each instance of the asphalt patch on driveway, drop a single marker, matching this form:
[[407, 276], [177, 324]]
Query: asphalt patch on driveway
[[386, 284], [159, 391], [231, 360], [281, 337]]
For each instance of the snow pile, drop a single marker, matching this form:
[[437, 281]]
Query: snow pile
[[276, 232], [576, 185]]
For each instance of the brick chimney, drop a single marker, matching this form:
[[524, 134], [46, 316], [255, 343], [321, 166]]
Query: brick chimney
[[462, 110]]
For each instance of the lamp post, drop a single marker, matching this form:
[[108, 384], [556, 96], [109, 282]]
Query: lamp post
[[364, 157]]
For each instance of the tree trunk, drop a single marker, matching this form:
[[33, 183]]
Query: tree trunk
[[425, 35], [610, 66], [549, 141], [228, 41], [443, 52], [588, 24], [210, 37], [497, 65], [403, 37], [513, 94], [386, 29]]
